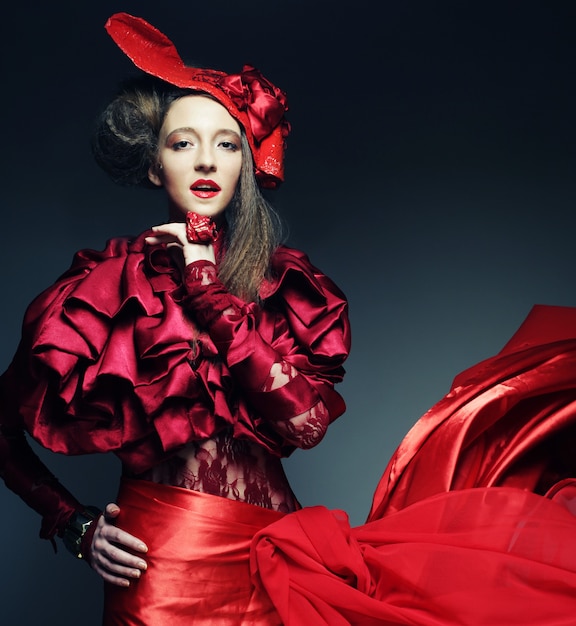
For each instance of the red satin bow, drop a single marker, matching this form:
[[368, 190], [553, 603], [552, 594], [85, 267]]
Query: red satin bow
[[264, 103]]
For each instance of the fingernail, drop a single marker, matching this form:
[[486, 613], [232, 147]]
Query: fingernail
[[142, 547], [142, 565], [136, 573]]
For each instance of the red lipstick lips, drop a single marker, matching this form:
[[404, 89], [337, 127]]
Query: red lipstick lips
[[205, 188]]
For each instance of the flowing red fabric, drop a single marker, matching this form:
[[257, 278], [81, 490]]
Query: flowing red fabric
[[507, 421], [474, 520], [475, 557], [198, 560]]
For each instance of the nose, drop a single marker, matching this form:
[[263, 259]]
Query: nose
[[205, 161]]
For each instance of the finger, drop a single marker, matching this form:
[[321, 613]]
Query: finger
[[174, 229], [119, 561], [109, 533], [126, 564], [115, 578], [158, 239], [114, 572], [111, 511], [122, 539], [154, 240]]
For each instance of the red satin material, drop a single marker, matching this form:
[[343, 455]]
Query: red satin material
[[105, 359], [249, 97], [507, 421], [198, 560], [455, 535], [458, 533]]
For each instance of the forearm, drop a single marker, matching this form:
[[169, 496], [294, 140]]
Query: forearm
[[268, 374], [26, 475]]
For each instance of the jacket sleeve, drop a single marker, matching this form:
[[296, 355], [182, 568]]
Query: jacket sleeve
[[25, 474], [24, 385], [286, 353]]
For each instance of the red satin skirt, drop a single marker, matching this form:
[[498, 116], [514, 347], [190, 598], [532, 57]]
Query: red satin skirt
[[198, 560]]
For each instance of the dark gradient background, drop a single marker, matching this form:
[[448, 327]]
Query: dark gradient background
[[430, 172]]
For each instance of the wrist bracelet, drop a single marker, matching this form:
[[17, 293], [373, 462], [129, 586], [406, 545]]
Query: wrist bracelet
[[76, 527]]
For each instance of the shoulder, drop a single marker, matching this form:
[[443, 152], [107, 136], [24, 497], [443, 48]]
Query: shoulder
[[305, 291], [293, 270], [94, 278], [114, 248], [285, 258]]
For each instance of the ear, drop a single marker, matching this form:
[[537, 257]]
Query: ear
[[154, 174]]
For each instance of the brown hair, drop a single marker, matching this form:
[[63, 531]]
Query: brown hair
[[125, 145]]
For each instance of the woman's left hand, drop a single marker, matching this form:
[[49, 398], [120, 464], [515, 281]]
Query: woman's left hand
[[173, 234], [114, 553]]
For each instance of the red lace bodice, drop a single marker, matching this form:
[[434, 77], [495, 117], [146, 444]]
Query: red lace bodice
[[230, 468]]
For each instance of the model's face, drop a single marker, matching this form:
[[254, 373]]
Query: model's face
[[199, 157]]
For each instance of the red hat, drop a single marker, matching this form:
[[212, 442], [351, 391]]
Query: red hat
[[251, 99]]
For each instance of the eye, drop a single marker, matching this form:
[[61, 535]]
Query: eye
[[182, 144], [229, 145]]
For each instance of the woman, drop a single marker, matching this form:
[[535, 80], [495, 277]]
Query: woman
[[200, 352]]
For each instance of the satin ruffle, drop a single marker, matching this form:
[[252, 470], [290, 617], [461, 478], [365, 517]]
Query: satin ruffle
[[110, 362]]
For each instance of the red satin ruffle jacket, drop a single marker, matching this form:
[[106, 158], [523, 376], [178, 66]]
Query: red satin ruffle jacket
[[112, 360], [474, 519]]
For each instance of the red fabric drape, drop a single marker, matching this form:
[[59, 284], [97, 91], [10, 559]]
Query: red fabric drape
[[474, 520]]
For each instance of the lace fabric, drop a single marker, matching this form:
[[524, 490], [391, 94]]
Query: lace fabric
[[223, 465], [236, 469], [221, 314], [306, 429], [231, 468]]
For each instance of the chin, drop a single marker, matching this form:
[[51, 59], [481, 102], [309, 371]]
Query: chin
[[207, 211]]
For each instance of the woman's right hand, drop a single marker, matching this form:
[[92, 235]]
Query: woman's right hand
[[173, 234], [112, 550]]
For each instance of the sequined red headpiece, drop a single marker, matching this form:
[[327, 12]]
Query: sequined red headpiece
[[255, 102]]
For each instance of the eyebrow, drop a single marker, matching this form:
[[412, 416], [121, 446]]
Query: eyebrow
[[190, 129]]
